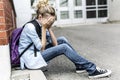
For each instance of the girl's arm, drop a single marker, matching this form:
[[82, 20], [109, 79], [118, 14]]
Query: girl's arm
[[43, 38], [54, 40], [45, 22]]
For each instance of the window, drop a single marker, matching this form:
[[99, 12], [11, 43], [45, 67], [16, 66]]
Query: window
[[63, 3], [64, 14], [78, 13], [96, 8], [90, 2], [102, 2], [78, 2], [102, 13], [91, 14], [32, 1]]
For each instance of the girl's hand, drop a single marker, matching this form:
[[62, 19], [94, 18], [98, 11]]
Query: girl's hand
[[52, 20], [47, 22]]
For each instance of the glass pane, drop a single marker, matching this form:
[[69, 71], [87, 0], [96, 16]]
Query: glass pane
[[32, 1], [102, 2], [78, 14], [90, 2], [78, 2], [63, 3], [91, 14], [102, 7], [102, 13], [91, 8], [64, 14]]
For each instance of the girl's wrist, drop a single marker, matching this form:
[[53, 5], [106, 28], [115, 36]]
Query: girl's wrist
[[49, 29], [44, 28]]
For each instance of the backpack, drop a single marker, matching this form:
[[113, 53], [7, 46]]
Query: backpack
[[14, 43]]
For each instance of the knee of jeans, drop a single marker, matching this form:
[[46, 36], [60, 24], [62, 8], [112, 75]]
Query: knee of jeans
[[63, 39], [64, 46]]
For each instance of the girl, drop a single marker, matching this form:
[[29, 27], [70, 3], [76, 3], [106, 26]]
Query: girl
[[49, 47]]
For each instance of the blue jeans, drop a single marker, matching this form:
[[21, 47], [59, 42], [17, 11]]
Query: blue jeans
[[65, 48]]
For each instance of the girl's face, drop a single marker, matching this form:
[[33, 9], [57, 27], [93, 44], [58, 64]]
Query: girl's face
[[47, 16], [47, 19], [50, 18]]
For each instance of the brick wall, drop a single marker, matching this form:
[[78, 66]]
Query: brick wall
[[7, 20]]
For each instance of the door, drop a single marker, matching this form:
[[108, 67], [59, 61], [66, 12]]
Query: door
[[96, 10], [81, 11]]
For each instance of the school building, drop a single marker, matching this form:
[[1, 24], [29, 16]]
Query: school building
[[15, 13], [72, 11]]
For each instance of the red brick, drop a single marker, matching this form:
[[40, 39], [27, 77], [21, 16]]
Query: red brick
[[2, 27], [8, 27], [7, 21], [4, 41], [1, 13], [2, 20], [8, 33], [1, 5], [3, 34]]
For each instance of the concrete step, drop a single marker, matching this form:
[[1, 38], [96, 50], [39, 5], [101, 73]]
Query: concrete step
[[28, 75]]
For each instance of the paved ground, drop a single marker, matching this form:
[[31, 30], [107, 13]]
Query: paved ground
[[98, 43]]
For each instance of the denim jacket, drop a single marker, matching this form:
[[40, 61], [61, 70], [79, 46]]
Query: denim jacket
[[28, 59]]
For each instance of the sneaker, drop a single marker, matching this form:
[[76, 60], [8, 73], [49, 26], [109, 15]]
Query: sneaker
[[99, 73], [80, 70]]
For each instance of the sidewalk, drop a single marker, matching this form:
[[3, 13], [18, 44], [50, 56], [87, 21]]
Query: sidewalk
[[98, 43]]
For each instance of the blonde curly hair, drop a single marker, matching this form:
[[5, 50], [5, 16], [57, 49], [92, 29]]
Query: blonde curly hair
[[43, 7]]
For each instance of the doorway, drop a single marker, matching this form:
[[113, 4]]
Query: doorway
[[81, 11]]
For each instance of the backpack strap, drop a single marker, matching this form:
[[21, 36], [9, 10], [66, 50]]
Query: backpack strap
[[24, 51], [38, 30], [37, 27]]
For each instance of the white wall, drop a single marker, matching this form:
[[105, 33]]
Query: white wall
[[114, 10], [23, 11], [5, 68]]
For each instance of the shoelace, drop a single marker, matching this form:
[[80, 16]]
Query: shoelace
[[101, 70]]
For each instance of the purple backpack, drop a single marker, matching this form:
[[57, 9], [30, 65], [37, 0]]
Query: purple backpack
[[14, 46], [14, 43]]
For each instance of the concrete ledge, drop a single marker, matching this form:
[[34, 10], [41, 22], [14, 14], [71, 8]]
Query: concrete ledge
[[28, 75], [5, 69]]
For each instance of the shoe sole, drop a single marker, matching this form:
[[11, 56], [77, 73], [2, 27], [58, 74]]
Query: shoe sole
[[102, 75], [83, 71]]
